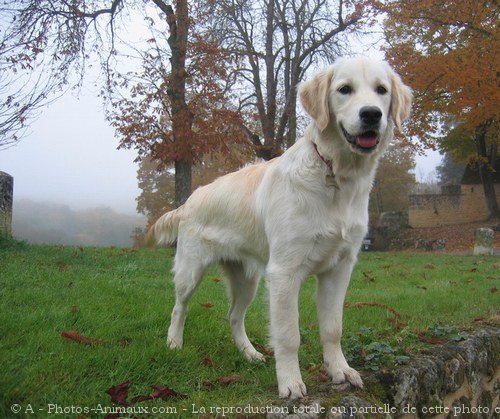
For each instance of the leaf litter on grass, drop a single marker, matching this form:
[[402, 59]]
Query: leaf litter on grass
[[119, 394], [74, 336]]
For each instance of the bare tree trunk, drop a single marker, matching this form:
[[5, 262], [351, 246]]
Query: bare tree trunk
[[291, 135], [182, 119], [486, 163], [183, 174], [280, 44]]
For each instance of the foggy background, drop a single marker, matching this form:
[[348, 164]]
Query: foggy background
[[71, 184], [73, 187]]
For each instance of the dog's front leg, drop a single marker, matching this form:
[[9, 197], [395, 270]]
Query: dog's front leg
[[332, 287], [285, 336]]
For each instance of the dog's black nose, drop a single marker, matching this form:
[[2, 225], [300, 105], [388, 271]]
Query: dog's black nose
[[370, 115]]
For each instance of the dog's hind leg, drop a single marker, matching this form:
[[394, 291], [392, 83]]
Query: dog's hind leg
[[187, 278], [242, 291]]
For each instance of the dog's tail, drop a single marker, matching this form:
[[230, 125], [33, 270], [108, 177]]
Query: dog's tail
[[164, 231]]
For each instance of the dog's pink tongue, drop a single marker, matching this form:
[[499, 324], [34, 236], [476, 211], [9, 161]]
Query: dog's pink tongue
[[366, 140]]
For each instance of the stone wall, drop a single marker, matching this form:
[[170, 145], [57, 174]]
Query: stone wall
[[6, 194], [453, 380], [450, 207]]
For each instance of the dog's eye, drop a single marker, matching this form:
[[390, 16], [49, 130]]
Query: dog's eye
[[381, 90], [345, 89]]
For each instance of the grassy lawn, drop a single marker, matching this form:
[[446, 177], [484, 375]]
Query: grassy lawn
[[123, 298]]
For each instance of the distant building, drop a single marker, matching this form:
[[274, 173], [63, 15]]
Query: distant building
[[456, 204]]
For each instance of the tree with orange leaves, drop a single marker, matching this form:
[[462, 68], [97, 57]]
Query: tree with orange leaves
[[176, 110], [448, 53]]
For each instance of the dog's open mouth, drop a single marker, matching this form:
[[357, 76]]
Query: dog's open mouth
[[366, 141]]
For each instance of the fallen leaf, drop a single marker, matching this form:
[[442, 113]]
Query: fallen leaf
[[62, 266], [125, 341], [396, 320], [422, 337], [206, 305], [160, 392], [206, 360], [74, 308], [222, 380], [76, 337], [493, 290], [230, 379], [264, 349], [209, 384], [119, 393], [473, 270], [215, 279], [479, 319], [314, 367], [323, 377]]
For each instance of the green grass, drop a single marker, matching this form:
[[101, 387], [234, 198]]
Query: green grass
[[123, 298]]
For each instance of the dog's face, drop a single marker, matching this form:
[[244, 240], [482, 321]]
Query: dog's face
[[359, 98]]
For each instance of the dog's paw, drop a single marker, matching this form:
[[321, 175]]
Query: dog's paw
[[253, 355], [173, 343], [292, 390], [346, 374]]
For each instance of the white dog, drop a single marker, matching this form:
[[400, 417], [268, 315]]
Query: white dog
[[304, 213]]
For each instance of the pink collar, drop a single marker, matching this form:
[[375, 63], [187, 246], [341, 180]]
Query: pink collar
[[326, 161]]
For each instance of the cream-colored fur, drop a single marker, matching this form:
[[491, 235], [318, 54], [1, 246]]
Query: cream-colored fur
[[286, 220]]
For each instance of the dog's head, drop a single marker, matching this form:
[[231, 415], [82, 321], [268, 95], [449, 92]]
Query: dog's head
[[361, 99]]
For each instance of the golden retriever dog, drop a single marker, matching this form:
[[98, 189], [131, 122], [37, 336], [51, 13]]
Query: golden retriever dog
[[301, 214]]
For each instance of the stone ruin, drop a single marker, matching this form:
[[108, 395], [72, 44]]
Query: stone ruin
[[6, 197], [452, 380], [484, 241]]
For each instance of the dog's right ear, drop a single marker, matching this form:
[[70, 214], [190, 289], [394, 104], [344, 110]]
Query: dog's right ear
[[313, 95]]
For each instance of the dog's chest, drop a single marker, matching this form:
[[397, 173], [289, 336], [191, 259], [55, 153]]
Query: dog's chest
[[339, 231]]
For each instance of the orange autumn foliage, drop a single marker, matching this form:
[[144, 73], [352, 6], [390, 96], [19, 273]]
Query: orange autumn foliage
[[448, 52]]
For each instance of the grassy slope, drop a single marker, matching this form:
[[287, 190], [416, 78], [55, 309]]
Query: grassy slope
[[124, 298]]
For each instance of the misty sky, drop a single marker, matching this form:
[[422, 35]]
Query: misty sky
[[70, 157]]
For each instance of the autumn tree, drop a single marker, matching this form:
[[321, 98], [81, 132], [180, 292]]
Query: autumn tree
[[158, 186], [448, 52], [64, 37], [449, 172], [278, 41], [394, 180], [144, 113]]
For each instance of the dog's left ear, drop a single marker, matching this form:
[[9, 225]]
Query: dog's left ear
[[314, 97], [400, 100]]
